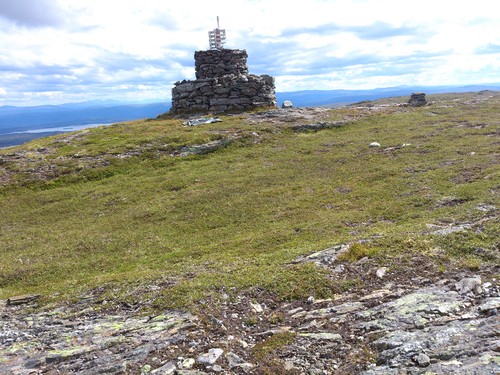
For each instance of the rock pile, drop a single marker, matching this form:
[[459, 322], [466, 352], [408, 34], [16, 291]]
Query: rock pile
[[417, 99], [222, 84], [217, 63]]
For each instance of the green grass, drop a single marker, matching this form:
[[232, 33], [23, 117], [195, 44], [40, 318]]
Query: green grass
[[236, 218], [265, 348], [265, 352]]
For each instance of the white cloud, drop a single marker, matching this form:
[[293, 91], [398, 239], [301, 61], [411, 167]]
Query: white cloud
[[124, 48]]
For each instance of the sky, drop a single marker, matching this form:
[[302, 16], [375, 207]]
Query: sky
[[60, 51]]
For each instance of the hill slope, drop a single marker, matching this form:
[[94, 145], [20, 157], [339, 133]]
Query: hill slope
[[151, 215]]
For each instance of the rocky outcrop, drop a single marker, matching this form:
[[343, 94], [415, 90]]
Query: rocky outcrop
[[223, 84], [448, 326], [57, 341], [436, 328]]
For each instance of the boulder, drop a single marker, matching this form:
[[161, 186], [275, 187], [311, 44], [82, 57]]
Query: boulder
[[417, 99]]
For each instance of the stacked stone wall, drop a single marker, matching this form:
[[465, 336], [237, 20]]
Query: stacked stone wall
[[216, 63], [226, 93], [223, 84]]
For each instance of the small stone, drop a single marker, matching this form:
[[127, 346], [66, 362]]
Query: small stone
[[381, 272], [243, 343], [468, 284], [188, 363], [374, 144], [256, 307], [420, 322], [233, 359], [339, 269], [246, 367], [217, 368], [211, 357], [422, 360], [310, 300]]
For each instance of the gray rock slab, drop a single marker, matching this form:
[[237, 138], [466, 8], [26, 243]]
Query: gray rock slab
[[327, 336], [490, 304], [91, 345], [211, 357], [418, 306], [435, 330]]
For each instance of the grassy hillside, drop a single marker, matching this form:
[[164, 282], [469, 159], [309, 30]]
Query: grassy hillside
[[142, 212]]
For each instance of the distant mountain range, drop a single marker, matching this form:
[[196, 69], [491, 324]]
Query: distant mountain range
[[316, 98], [19, 119], [21, 124]]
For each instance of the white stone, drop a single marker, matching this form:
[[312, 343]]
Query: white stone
[[374, 144], [256, 307], [188, 363], [211, 357], [381, 272], [243, 343]]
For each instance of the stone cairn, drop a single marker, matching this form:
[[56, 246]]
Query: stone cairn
[[222, 84], [417, 99]]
